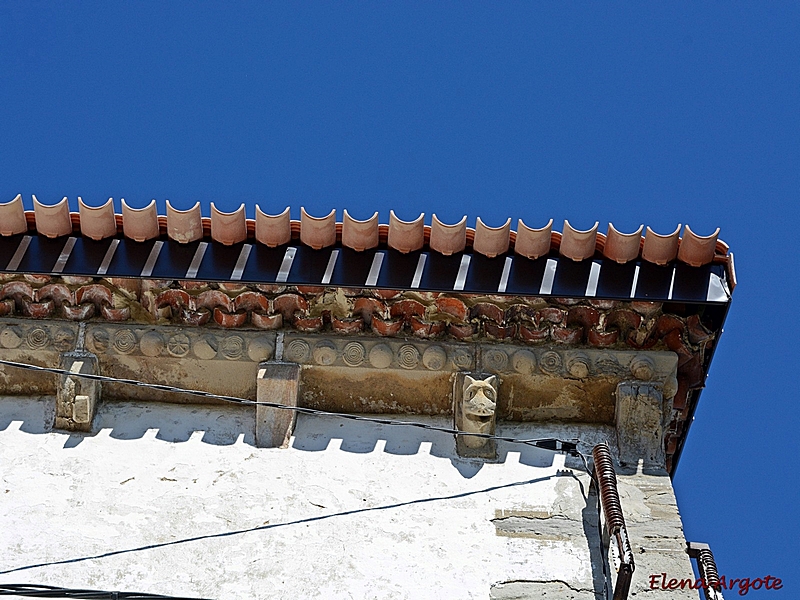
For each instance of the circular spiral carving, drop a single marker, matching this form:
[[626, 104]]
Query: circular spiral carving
[[408, 356], [178, 345], [495, 359], [434, 358], [550, 362], [462, 359], [38, 338], [125, 341], [233, 347], [297, 351], [353, 354]]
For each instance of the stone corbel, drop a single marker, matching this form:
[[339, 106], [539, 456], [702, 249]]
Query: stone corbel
[[640, 423], [475, 411], [277, 382], [77, 397]]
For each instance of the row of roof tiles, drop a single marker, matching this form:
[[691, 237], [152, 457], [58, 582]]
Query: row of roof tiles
[[185, 226]]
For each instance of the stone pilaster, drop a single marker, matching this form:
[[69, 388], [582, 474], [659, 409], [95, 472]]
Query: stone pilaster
[[277, 382], [77, 397]]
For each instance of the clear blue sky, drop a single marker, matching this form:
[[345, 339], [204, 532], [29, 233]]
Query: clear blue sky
[[655, 113]]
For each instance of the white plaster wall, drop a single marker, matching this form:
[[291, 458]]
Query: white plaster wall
[[176, 500]]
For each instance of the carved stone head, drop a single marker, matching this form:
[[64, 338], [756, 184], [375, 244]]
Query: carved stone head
[[475, 413]]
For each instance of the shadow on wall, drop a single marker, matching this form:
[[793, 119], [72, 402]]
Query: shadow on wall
[[315, 434], [227, 425], [220, 425]]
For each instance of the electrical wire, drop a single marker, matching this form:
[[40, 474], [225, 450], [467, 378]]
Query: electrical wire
[[47, 591], [40, 591], [553, 444]]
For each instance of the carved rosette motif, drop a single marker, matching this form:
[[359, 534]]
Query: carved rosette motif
[[178, 345], [379, 354], [353, 354], [495, 359], [297, 351], [125, 341], [47, 336], [169, 342], [232, 347], [550, 362], [37, 338], [408, 357]]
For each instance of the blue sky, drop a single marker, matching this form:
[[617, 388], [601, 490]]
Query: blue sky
[[655, 113]]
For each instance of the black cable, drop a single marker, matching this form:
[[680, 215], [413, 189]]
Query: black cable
[[47, 591], [554, 444]]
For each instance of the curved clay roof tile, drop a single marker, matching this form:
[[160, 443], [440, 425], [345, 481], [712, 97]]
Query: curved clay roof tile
[[697, 250], [318, 232], [576, 244], [52, 221], [491, 241], [660, 249], [228, 227], [622, 247], [533, 243], [12, 217], [359, 235], [273, 230], [140, 224], [406, 236], [97, 222], [448, 239], [184, 226]]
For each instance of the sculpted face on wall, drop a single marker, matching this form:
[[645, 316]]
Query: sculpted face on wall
[[476, 407]]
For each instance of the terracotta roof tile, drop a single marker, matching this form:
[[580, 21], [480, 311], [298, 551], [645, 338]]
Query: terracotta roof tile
[[660, 249], [622, 247], [12, 217], [184, 226], [52, 220], [97, 222], [317, 232], [533, 243], [697, 250], [140, 224], [359, 235], [576, 244], [273, 230], [491, 241], [228, 228], [406, 236], [448, 239]]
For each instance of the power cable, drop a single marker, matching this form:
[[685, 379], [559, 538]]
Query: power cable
[[48, 591], [553, 444]]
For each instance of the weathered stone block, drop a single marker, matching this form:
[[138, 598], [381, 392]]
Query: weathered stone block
[[77, 397], [277, 382], [640, 428]]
